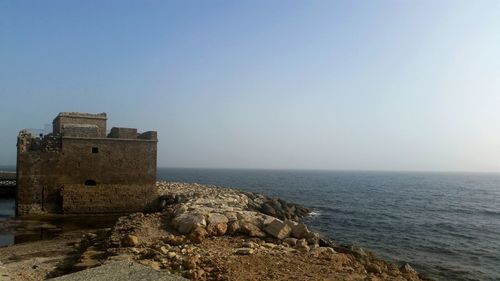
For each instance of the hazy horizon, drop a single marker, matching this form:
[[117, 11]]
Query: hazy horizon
[[13, 166], [316, 85]]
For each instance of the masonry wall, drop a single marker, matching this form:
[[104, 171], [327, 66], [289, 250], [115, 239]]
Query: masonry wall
[[42, 174], [98, 120], [123, 133], [86, 131], [117, 161], [107, 198], [38, 182]]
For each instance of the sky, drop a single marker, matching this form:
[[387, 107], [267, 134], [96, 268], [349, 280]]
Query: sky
[[336, 85]]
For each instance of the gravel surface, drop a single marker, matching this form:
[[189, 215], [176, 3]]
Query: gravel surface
[[120, 270]]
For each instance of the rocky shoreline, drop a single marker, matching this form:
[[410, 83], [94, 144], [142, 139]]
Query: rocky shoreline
[[204, 232]]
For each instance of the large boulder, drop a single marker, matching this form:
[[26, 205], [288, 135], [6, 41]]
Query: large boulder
[[278, 229], [300, 231], [215, 218], [251, 230], [268, 209], [217, 224], [198, 234], [217, 229], [233, 227], [130, 241], [250, 217], [231, 216], [312, 238], [187, 222]]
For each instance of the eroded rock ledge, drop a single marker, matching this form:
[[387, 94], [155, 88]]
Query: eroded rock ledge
[[201, 210]]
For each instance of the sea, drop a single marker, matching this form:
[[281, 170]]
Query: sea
[[446, 225]]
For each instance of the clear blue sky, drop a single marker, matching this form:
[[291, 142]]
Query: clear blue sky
[[371, 85]]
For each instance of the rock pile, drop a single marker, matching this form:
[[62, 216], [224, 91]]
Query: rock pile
[[201, 211]]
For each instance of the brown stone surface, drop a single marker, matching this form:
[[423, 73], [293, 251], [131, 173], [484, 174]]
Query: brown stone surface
[[77, 118], [107, 198]]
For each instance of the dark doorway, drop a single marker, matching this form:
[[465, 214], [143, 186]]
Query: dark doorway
[[90, 182]]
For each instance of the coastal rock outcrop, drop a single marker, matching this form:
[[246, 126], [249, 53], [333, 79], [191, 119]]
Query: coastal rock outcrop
[[219, 210]]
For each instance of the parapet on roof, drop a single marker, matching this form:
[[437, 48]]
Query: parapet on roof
[[82, 115], [77, 124], [89, 125]]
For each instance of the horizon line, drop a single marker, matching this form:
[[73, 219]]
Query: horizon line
[[317, 170], [331, 170]]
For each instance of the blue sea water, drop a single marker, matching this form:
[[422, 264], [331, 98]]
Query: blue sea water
[[446, 225]]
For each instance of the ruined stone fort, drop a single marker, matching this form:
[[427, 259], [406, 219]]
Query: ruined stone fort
[[80, 168]]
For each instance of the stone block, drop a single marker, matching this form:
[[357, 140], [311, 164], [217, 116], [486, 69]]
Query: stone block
[[187, 222], [300, 231], [130, 241], [278, 229]]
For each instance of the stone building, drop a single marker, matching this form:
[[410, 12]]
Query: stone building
[[79, 169]]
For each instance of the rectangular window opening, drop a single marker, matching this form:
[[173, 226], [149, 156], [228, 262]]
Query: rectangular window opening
[[95, 150]]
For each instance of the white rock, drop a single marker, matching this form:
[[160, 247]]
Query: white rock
[[249, 217], [278, 229], [269, 245], [215, 218], [163, 250], [187, 222], [244, 251], [268, 220]]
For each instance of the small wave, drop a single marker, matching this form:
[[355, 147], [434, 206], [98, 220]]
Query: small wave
[[490, 213], [314, 214], [336, 210]]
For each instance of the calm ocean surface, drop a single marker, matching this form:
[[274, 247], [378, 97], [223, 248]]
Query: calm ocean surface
[[445, 225]]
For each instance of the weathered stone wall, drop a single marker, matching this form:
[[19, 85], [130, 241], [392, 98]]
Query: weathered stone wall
[[107, 198], [109, 161], [123, 133], [80, 119], [78, 130], [38, 181]]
